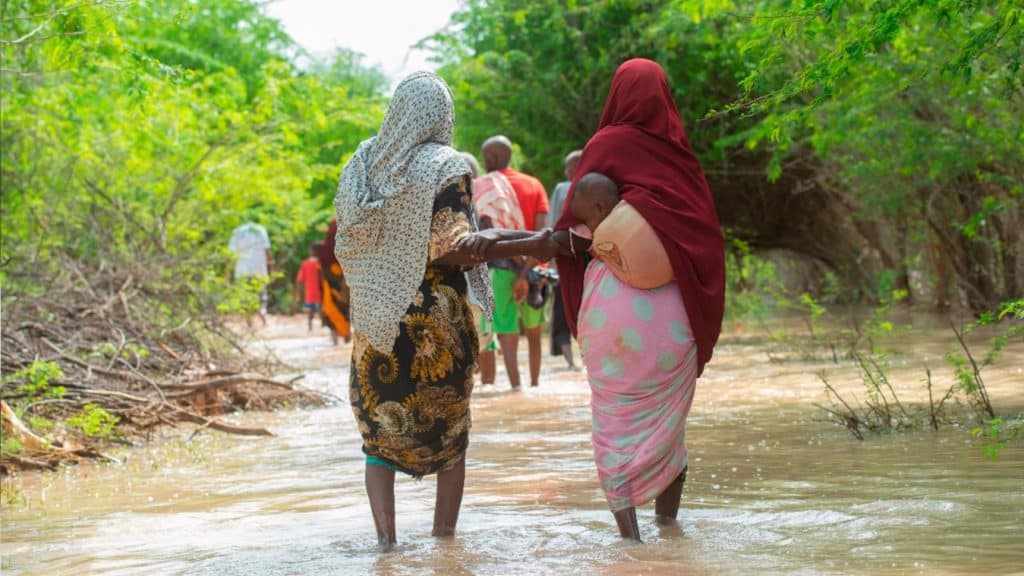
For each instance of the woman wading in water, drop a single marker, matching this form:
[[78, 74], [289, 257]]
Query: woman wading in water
[[404, 208], [643, 348]]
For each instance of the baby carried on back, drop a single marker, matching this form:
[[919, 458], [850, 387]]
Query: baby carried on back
[[621, 238]]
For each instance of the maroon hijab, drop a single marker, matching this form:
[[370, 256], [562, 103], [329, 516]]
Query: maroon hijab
[[326, 253], [642, 146]]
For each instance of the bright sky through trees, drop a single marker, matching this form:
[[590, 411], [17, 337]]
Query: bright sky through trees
[[383, 30]]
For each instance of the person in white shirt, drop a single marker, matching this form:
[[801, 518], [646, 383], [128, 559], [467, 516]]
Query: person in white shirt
[[252, 244]]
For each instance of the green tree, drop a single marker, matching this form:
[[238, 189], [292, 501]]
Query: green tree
[[137, 136], [880, 138]]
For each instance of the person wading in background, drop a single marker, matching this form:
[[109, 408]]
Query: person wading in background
[[561, 336], [252, 245], [511, 200]]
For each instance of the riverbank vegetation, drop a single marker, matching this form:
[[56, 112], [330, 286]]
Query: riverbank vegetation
[[860, 153], [135, 137]]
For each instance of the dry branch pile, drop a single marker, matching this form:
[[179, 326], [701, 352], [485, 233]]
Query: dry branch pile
[[121, 372]]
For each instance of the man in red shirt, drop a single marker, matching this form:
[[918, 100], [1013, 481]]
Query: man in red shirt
[[309, 277], [525, 209]]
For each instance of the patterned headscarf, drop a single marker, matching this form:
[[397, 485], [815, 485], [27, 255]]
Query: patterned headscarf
[[384, 206]]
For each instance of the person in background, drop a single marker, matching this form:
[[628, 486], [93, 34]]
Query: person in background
[[254, 264], [335, 299], [485, 327], [307, 284], [474, 167], [561, 336], [511, 200]]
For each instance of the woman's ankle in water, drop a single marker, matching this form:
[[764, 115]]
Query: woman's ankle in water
[[628, 526]]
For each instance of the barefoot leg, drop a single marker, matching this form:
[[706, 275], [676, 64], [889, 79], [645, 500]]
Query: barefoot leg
[[533, 343], [487, 367], [628, 527], [449, 499], [567, 354], [510, 352], [666, 506], [380, 487]]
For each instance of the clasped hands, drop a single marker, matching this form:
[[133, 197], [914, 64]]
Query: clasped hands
[[494, 243]]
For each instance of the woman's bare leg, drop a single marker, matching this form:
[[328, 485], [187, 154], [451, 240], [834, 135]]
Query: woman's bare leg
[[626, 519], [450, 484], [380, 487], [666, 505]]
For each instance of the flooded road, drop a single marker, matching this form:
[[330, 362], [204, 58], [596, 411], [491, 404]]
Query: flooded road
[[773, 487]]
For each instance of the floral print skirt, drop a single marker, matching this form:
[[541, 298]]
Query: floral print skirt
[[412, 402]]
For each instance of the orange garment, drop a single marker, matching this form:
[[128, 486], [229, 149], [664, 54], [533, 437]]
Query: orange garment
[[335, 308], [533, 199]]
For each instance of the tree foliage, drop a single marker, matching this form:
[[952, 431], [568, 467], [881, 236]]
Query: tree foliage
[[880, 138], [141, 134]]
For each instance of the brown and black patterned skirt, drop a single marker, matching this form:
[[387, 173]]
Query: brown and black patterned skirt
[[412, 403]]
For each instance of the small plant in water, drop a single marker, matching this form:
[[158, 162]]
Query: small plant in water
[[967, 368], [883, 411], [11, 495], [998, 433]]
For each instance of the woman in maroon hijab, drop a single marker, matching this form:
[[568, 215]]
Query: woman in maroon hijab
[[644, 349]]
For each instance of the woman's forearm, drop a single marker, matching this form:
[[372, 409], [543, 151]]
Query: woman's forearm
[[500, 244], [512, 247], [542, 246], [459, 256], [496, 244], [499, 235]]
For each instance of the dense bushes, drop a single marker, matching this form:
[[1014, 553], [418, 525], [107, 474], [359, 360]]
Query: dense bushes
[[882, 139]]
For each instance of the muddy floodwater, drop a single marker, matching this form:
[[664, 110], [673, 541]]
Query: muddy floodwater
[[773, 488]]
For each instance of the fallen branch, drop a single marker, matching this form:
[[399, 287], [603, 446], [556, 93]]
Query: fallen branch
[[13, 426], [213, 424], [26, 463], [222, 382]]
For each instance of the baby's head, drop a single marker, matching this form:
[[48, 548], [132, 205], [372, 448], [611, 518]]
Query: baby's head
[[593, 199]]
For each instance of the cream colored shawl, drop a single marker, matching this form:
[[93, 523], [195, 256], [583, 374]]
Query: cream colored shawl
[[385, 203]]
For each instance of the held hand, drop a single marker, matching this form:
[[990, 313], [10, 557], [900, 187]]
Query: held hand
[[475, 245], [521, 290], [545, 248]]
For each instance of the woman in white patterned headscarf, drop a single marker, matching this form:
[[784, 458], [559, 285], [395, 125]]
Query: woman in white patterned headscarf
[[404, 204]]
